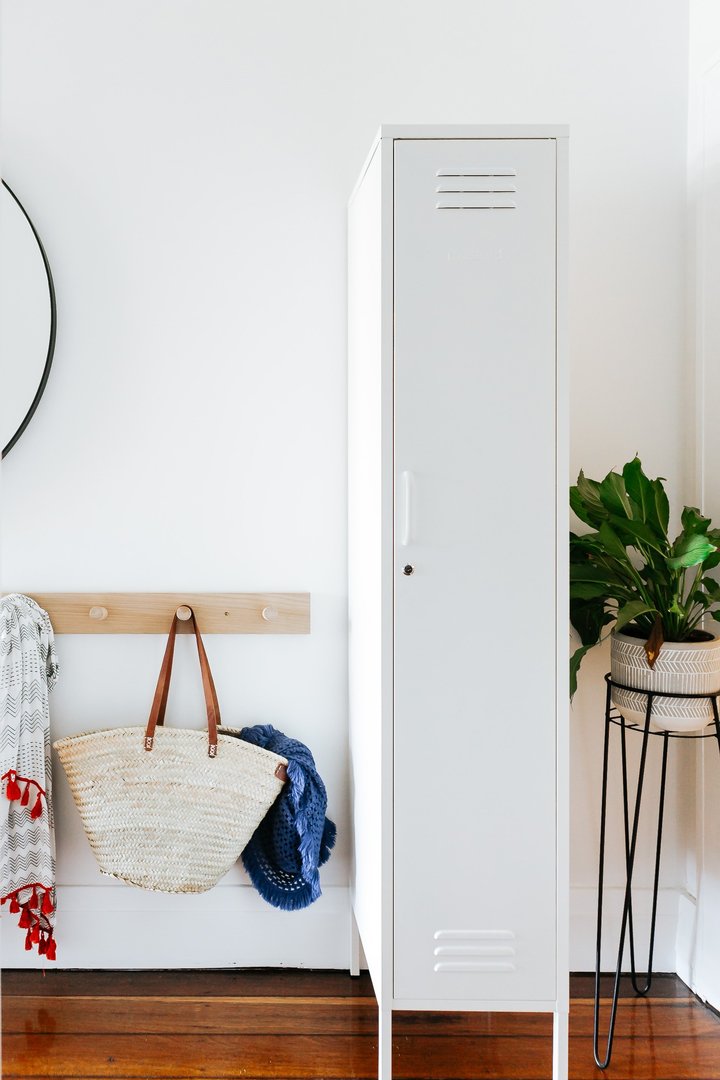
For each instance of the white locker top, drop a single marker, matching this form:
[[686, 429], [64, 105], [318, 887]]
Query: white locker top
[[473, 131], [461, 131]]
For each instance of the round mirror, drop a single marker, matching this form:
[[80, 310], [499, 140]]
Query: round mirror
[[27, 319]]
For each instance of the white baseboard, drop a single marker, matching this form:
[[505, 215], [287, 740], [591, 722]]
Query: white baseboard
[[686, 939], [114, 926], [583, 922], [692, 967]]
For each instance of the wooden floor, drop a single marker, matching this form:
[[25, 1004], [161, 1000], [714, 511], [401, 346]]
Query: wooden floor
[[292, 1024]]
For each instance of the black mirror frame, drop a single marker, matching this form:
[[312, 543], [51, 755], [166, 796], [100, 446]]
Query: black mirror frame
[[53, 329]]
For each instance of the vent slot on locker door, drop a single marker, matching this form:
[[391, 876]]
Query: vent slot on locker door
[[474, 950], [469, 187]]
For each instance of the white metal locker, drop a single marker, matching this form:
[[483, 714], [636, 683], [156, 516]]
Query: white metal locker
[[457, 541]]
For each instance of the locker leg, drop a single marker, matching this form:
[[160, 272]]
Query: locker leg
[[560, 1045], [354, 946], [384, 1043]]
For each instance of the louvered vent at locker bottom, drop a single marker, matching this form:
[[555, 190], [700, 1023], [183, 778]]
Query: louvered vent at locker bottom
[[474, 950], [471, 187]]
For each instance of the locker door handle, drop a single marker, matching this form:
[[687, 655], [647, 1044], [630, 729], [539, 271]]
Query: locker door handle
[[406, 487]]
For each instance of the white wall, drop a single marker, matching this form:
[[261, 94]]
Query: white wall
[[188, 164], [701, 953]]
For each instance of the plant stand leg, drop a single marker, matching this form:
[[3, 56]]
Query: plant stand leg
[[602, 1063], [716, 718], [641, 991]]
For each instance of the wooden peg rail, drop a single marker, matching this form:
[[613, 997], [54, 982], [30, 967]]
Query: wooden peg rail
[[152, 613]]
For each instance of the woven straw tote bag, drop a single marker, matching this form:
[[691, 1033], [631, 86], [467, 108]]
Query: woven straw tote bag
[[170, 809]]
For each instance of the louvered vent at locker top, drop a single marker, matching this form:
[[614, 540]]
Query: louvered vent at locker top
[[474, 187]]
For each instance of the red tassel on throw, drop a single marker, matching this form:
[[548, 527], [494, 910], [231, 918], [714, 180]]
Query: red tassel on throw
[[35, 933], [47, 907], [50, 951], [28, 941], [24, 920], [14, 905], [34, 899], [42, 944], [26, 795], [13, 788], [37, 808]]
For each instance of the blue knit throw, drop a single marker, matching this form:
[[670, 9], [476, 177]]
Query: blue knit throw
[[294, 838]]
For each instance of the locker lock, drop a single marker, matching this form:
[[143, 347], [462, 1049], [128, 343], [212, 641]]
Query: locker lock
[[408, 570]]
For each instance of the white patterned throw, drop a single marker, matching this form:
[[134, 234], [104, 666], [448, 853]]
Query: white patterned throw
[[28, 671]]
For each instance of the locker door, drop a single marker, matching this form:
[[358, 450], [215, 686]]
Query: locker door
[[474, 749]]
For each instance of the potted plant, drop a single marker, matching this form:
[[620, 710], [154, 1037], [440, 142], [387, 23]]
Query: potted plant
[[650, 592]]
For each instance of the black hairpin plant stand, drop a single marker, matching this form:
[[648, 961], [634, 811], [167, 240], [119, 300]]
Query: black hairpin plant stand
[[631, 834]]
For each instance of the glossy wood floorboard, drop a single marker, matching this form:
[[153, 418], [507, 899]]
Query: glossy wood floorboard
[[290, 1025]]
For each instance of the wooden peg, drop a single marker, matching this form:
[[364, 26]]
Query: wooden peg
[[269, 614], [184, 613], [98, 613]]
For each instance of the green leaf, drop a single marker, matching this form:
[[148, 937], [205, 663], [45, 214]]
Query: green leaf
[[630, 611], [589, 492], [649, 496], [693, 521], [589, 617], [579, 507], [614, 496], [699, 598], [575, 661], [612, 543], [662, 506], [589, 571], [638, 531], [713, 560], [640, 491], [582, 548], [589, 590], [715, 615], [690, 549], [585, 501], [711, 586]]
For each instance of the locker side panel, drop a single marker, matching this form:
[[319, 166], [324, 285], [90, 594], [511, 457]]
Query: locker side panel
[[369, 559], [475, 621]]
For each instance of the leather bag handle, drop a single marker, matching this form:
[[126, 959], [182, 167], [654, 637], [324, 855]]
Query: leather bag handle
[[157, 710]]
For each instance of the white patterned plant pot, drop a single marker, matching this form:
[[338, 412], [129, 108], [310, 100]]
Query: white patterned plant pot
[[683, 667]]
